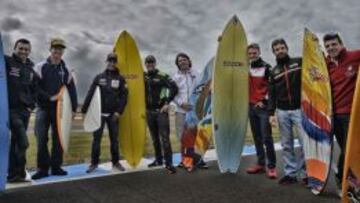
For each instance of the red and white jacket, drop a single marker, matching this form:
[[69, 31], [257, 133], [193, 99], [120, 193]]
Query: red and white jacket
[[259, 81]]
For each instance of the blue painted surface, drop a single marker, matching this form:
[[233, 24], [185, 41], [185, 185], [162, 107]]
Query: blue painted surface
[[74, 171], [78, 171], [4, 121]]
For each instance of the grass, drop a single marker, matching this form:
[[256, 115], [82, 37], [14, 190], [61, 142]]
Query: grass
[[80, 144]]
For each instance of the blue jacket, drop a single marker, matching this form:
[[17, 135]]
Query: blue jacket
[[52, 78]]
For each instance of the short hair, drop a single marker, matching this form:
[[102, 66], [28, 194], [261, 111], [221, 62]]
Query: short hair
[[22, 41], [332, 36], [111, 57], [278, 41], [150, 59], [253, 46], [184, 56]]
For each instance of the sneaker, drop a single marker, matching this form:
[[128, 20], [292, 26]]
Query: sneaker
[[181, 165], [203, 165], [339, 187], [271, 173], [118, 167], [305, 181], [17, 179], [40, 174], [58, 172], [255, 169], [287, 180], [91, 168], [155, 164], [171, 169]]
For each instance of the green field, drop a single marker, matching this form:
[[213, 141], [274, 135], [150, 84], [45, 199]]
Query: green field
[[80, 145]]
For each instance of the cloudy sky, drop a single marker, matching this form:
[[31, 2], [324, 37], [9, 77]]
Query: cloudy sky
[[166, 27]]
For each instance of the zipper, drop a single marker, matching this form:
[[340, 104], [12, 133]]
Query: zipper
[[287, 85]]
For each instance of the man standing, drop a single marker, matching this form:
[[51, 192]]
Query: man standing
[[258, 114], [114, 93], [160, 90], [22, 87], [343, 66], [284, 97], [53, 75], [185, 79]]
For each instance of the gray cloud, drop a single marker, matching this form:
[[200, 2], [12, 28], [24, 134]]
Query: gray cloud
[[165, 27], [11, 23]]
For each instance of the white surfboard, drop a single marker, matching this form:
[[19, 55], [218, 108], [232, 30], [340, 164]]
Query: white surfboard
[[64, 118], [92, 120]]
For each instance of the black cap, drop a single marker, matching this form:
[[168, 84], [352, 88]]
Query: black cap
[[150, 59], [111, 57]]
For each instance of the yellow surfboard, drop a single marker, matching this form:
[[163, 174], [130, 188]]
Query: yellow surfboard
[[132, 124], [351, 178], [230, 101]]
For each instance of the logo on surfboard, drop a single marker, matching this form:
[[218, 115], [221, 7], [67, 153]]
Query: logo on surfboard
[[316, 75], [232, 63]]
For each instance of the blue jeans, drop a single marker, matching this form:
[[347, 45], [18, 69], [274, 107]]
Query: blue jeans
[[288, 119], [261, 131], [44, 120]]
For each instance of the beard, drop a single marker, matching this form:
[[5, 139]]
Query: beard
[[282, 59]]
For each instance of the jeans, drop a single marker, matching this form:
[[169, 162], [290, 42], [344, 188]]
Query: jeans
[[261, 131], [160, 133], [288, 119], [179, 124], [341, 127], [45, 119], [112, 123], [19, 120]]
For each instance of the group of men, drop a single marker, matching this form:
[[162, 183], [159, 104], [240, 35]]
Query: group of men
[[39, 85], [275, 94]]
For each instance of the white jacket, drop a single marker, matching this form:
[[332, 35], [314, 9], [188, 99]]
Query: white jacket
[[185, 83]]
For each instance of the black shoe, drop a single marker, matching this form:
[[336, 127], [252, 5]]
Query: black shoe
[[305, 181], [155, 164], [10, 177], [91, 168], [181, 165], [203, 165], [40, 174], [118, 167], [58, 172], [287, 180], [171, 169], [17, 179]]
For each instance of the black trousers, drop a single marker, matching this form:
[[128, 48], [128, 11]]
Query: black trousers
[[159, 127], [341, 127], [261, 131], [44, 120], [112, 123], [19, 120]]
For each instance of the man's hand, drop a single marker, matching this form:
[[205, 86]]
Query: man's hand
[[260, 104], [186, 106], [164, 109], [273, 120], [54, 97]]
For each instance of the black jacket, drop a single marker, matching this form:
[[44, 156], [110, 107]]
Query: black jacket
[[160, 89], [52, 78], [113, 90], [285, 85], [22, 83]]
